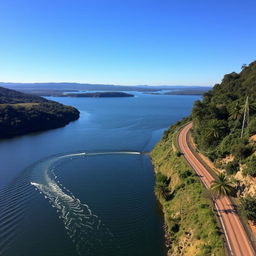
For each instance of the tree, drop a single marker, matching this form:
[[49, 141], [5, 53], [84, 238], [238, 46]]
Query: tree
[[215, 128], [241, 150], [252, 127], [161, 191], [251, 167], [236, 112], [243, 66], [232, 167], [222, 187], [249, 207], [161, 187]]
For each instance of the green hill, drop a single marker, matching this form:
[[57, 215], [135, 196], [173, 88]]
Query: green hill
[[218, 119], [22, 113]]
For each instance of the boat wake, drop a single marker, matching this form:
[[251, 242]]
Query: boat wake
[[86, 230]]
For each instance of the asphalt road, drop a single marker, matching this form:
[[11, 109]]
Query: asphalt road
[[237, 239]]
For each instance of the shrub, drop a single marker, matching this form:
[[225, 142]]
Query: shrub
[[162, 179], [249, 207], [232, 167], [173, 225], [252, 127], [178, 154], [241, 150], [251, 167], [185, 174]]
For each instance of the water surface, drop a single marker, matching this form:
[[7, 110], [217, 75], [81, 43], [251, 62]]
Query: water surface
[[60, 198]]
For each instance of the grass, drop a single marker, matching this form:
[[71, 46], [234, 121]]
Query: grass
[[192, 227]]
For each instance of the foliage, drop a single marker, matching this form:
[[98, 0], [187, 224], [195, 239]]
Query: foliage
[[183, 216], [248, 205], [163, 179], [178, 153], [35, 114], [217, 119], [232, 167], [185, 174], [250, 167], [241, 150], [161, 186], [8, 96], [222, 186], [252, 127]]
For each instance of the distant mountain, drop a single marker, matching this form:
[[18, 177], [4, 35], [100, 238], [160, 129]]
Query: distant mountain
[[22, 113], [55, 88]]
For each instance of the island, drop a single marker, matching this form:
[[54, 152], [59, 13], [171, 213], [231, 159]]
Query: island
[[22, 113], [98, 95]]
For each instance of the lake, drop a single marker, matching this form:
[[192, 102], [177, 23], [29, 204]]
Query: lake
[[87, 188]]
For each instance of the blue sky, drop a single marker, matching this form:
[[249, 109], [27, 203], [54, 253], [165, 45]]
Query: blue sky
[[160, 42]]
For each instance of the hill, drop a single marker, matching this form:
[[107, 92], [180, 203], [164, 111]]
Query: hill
[[22, 113], [219, 118], [224, 129]]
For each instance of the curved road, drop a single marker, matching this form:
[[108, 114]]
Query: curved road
[[237, 239]]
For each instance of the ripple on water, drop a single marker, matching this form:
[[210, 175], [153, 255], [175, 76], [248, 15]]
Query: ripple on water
[[86, 230]]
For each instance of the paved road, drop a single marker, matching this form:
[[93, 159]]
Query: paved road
[[237, 238]]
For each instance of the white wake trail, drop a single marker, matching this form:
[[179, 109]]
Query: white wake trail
[[84, 228]]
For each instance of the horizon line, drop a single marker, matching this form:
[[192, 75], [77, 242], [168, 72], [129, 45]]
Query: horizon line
[[81, 83]]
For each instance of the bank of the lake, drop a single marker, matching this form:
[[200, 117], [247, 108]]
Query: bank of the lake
[[191, 228]]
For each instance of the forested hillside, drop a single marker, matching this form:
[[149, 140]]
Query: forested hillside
[[219, 118], [21, 113]]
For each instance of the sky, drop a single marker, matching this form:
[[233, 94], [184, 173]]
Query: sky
[[129, 42]]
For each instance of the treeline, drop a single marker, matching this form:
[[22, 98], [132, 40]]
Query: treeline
[[23, 113], [8, 96], [219, 117]]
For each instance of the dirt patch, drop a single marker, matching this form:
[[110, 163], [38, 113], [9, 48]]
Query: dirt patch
[[227, 159], [252, 226], [253, 138]]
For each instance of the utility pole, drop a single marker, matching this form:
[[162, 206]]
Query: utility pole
[[246, 114]]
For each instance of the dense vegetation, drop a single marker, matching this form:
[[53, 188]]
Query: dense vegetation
[[217, 128], [21, 113], [249, 208], [191, 226], [8, 96], [218, 118]]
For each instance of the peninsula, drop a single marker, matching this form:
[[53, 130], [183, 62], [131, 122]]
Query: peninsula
[[22, 113]]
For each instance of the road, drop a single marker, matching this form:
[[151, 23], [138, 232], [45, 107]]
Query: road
[[237, 239]]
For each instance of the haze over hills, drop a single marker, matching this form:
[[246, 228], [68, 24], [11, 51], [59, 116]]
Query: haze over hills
[[53, 89]]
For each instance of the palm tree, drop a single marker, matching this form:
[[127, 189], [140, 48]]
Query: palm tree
[[222, 186], [215, 129], [161, 191], [237, 112], [213, 132]]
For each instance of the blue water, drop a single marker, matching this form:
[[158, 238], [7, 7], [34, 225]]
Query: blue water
[[59, 198]]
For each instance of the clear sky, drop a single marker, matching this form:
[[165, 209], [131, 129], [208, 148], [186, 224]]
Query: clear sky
[[160, 42]]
